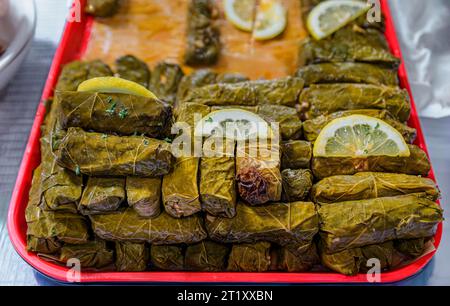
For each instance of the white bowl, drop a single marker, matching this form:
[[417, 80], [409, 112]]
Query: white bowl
[[18, 25]]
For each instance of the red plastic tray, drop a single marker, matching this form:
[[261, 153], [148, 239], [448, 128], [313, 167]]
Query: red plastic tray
[[73, 44]]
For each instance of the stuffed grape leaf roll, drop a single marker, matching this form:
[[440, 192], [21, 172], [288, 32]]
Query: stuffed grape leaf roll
[[128, 226], [296, 184], [76, 72], [354, 224], [180, 189], [258, 173], [281, 223], [113, 113], [48, 229], [133, 69], [249, 257], [96, 154], [144, 195], [217, 184], [131, 257], [390, 255], [296, 154], [164, 81], [206, 256], [348, 73], [97, 69], [349, 44], [102, 195], [368, 185], [167, 257], [416, 164], [284, 91], [198, 78], [93, 254], [203, 37], [286, 260], [315, 100], [313, 127]]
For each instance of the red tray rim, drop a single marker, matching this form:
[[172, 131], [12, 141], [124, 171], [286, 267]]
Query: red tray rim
[[76, 35]]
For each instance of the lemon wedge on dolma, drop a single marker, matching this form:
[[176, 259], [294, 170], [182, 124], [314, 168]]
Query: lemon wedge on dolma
[[115, 85], [359, 136], [329, 16], [234, 124], [271, 20], [240, 13]]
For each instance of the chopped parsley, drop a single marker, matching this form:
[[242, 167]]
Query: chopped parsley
[[209, 120], [104, 136], [109, 99], [167, 139], [146, 142], [77, 170], [377, 126], [112, 109], [123, 113]]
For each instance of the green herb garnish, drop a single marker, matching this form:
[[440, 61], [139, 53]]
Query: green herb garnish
[[77, 170], [104, 136], [109, 99], [209, 120], [377, 126], [112, 109], [167, 139], [123, 113], [146, 143]]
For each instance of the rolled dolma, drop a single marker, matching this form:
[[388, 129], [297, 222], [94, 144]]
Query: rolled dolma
[[102, 8], [60, 188], [206, 256], [349, 44], [144, 195], [44, 245], [128, 226], [198, 78], [296, 154], [416, 164], [288, 261], [47, 229], [187, 111], [133, 69], [217, 186], [72, 75], [203, 37], [96, 154], [167, 257], [258, 175], [390, 254], [283, 91], [353, 261], [76, 72], [354, 224], [131, 257], [368, 185], [249, 257], [231, 78], [180, 188], [313, 127], [93, 254], [315, 100], [164, 82], [411, 248], [296, 184], [113, 113], [97, 68], [348, 73], [102, 195], [281, 223]]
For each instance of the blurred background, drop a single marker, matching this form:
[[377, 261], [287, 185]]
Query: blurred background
[[423, 28]]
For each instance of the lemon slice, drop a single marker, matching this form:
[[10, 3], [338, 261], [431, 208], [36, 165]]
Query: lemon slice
[[329, 16], [360, 136], [240, 13], [271, 20], [233, 123], [115, 85]]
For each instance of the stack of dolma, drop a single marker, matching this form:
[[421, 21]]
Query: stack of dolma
[[110, 192]]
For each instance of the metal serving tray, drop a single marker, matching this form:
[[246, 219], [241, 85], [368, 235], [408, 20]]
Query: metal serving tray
[[72, 46]]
